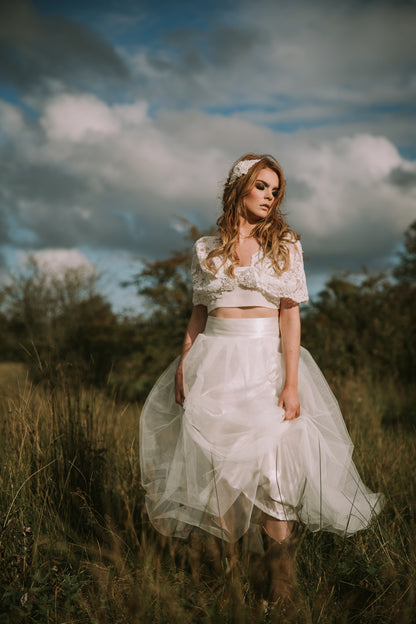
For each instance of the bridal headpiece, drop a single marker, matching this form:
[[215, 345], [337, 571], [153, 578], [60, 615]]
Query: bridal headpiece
[[241, 168]]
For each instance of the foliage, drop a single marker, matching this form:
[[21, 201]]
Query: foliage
[[369, 327], [405, 272], [166, 285], [59, 321]]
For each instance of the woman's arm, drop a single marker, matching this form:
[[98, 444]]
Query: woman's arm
[[195, 326], [290, 334]]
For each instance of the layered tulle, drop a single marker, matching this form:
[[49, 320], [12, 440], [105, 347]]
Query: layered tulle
[[229, 455]]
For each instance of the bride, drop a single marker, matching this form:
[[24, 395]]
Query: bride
[[241, 434]]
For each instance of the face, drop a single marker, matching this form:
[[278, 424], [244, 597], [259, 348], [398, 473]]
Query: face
[[259, 201]]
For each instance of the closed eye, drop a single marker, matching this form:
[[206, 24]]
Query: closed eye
[[261, 185]]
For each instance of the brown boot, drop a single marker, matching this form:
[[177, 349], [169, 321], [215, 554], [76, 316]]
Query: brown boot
[[280, 564]]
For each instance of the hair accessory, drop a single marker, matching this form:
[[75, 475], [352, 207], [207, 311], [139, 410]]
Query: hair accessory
[[241, 168]]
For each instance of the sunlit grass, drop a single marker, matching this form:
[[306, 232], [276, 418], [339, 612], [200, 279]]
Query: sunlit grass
[[76, 545]]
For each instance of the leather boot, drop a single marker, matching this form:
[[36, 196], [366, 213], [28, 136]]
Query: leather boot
[[279, 560]]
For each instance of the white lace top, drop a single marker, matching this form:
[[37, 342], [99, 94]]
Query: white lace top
[[254, 285]]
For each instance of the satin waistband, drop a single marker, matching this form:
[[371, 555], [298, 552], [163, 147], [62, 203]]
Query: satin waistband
[[249, 327]]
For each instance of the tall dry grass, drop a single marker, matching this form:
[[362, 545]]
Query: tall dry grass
[[76, 545]]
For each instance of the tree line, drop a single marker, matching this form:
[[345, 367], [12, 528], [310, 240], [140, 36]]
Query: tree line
[[65, 326]]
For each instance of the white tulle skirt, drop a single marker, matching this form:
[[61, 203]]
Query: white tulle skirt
[[229, 455]]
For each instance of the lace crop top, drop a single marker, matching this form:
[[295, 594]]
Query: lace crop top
[[254, 285]]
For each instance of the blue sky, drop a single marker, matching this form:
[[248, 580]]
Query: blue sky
[[117, 119]]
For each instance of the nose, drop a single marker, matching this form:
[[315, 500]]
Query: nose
[[268, 194]]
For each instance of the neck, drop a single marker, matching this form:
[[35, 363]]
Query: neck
[[245, 229]]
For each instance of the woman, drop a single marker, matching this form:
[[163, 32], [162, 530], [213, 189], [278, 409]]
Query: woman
[[242, 431]]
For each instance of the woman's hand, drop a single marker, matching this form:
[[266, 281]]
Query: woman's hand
[[195, 326], [179, 391], [289, 401], [290, 332]]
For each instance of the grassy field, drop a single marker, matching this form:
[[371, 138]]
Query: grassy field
[[76, 545]]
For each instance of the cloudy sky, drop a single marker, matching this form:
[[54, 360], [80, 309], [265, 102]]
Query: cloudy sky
[[120, 118]]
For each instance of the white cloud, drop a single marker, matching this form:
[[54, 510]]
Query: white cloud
[[57, 262], [78, 118], [123, 147], [352, 208]]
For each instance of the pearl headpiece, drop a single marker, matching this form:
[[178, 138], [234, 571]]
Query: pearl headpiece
[[241, 168]]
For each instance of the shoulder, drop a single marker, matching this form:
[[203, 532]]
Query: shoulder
[[290, 238], [205, 244], [208, 240], [294, 246]]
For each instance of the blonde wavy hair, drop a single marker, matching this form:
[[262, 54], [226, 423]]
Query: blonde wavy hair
[[272, 233]]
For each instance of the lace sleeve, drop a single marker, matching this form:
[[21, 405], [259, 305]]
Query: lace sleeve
[[197, 279], [296, 276]]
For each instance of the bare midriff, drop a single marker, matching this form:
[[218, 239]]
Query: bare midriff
[[244, 312]]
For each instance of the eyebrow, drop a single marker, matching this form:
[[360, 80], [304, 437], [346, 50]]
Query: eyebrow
[[275, 188]]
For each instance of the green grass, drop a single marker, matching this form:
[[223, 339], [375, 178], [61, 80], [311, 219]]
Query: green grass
[[76, 545]]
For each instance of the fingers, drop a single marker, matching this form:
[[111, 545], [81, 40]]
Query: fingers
[[179, 399], [179, 396], [290, 415], [291, 412], [179, 391], [289, 402]]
